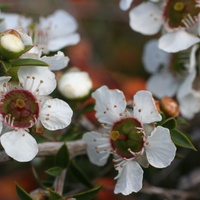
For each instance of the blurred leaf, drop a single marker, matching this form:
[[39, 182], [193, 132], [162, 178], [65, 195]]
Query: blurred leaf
[[62, 158], [180, 139], [181, 121], [54, 171], [23, 195], [6, 65], [27, 62], [170, 123], [79, 174], [87, 195], [27, 48], [55, 196], [5, 6], [89, 107]]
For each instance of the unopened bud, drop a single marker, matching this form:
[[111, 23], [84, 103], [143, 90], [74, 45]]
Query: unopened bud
[[11, 44], [169, 106], [75, 84]]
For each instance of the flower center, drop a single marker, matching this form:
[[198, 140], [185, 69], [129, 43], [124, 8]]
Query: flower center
[[19, 108], [181, 13], [127, 137]]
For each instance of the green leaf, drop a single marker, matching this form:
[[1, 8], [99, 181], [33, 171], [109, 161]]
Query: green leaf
[[22, 194], [6, 65], [180, 139], [79, 174], [170, 123], [86, 195], [62, 158], [54, 171], [27, 62], [55, 196]]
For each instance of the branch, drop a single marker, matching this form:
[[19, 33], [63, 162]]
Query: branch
[[169, 194], [75, 148]]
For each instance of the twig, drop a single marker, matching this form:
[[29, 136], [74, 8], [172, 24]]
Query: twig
[[169, 194], [59, 182], [75, 148]]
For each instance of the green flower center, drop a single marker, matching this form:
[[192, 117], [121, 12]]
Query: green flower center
[[127, 137], [181, 13], [19, 108]]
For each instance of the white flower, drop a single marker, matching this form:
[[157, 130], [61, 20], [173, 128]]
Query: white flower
[[178, 18], [75, 84], [14, 21], [55, 32], [27, 105], [131, 136], [56, 62]]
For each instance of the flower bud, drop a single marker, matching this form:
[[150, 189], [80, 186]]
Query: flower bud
[[75, 84], [169, 106], [11, 44]]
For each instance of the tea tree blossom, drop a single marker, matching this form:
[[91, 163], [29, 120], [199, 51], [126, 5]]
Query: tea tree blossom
[[14, 21], [51, 33], [130, 135], [55, 32], [27, 105], [75, 84], [178, 18], [55, 62]]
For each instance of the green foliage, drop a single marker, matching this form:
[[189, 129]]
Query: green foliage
[[54, 171], [23, 195], [180, 139], [54, 196], [27, 62], [86, 195], [62, 158], [78, 173]]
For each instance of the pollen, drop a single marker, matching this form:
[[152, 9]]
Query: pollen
[[179, 6], [20, 103]]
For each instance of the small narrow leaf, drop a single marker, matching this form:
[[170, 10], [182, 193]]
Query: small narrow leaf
[[55, 196], [54, 171], [180, 139], [22, 194], [27, 62], [170, 123], [80, 175], [87, 195], [62, 158]]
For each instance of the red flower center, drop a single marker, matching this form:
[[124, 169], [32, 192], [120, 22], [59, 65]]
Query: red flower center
[[19, 108]]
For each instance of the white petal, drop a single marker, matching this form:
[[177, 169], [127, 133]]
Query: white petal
[[59, 23], [144, 108], [146, 18], [129, 179], [55, 114], [109, 104], [40, 74], [188, 98], [56, 62], [177, 41], [142, 160], [58, 43], [163, 84], [125, 4], [161, 150], [4, 80], [94, 139], [15, 21], [19, 145], [154, 58]]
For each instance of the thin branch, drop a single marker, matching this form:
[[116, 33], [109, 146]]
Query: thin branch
[[75, 148], [169, 194]]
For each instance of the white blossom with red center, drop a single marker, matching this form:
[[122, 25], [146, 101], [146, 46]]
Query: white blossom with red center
[[28, 105], [130, 135], [179, 18]]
